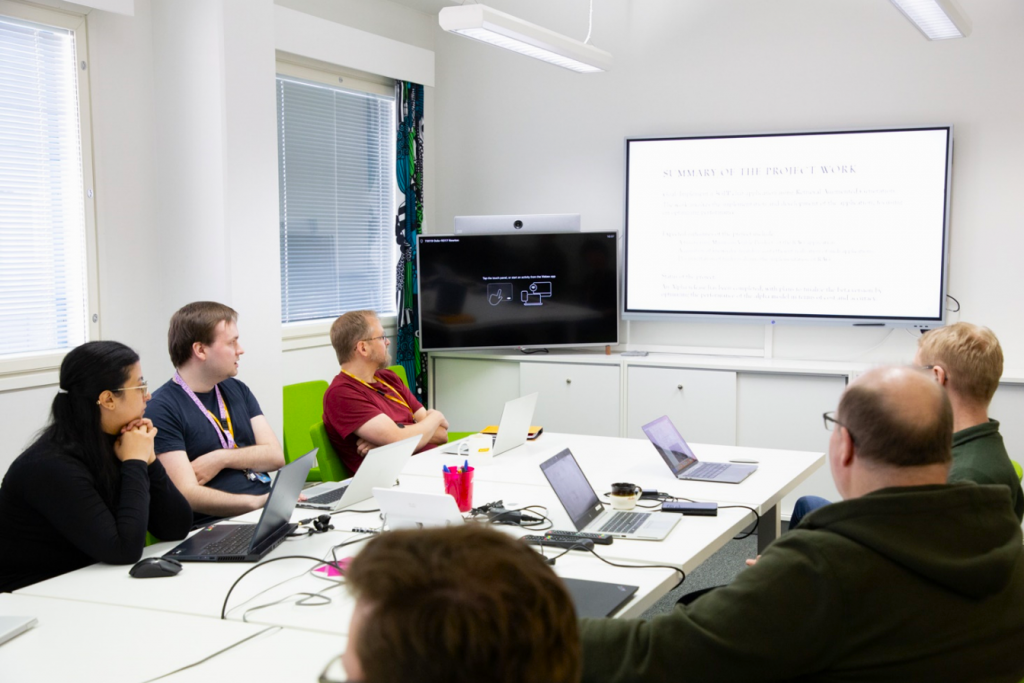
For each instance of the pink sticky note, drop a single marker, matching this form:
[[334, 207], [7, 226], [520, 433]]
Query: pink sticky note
[[330, 570]]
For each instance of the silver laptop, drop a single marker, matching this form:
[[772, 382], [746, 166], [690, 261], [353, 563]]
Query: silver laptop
[[415, 510], [588, 514], [684, 464], [512, 430], [381, 467], [15, 626]]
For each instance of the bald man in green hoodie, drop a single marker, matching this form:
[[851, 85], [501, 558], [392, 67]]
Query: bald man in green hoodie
[[907, 579]]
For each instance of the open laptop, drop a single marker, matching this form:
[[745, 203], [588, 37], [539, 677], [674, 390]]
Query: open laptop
[[512, 430], [250, 542], [381, 467], [588, 514], [680, 458], [415, 510]]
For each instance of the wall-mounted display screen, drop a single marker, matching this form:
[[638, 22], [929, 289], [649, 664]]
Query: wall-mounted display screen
[[518, 290], [843, 227]]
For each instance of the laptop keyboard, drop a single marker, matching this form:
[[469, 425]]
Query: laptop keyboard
[[708, 469], [329, 497], [624, 522], [235, 543]]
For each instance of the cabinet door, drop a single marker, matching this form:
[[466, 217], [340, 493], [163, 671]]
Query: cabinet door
[[575, 399], [1008, 407], [784, 411], [472, 393], [701, 403]]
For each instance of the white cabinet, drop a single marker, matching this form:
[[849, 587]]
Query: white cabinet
[[701, 403], [574, 398], [784, 411], [472, 393], [1008, 407]]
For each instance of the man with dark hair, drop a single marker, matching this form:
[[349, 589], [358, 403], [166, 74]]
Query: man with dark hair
[[213, 439], [367, 405], [462, 604], [909, 578]]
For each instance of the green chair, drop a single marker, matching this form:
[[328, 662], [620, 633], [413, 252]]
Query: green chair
[[400, 371], [303, 407], [331, 467], [1016, 466]]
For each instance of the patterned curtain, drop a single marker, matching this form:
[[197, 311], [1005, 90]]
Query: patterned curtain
[[408, 224]]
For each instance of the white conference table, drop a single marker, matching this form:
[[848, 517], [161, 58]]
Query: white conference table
[[86, 642], [605, 460], [103, 592]]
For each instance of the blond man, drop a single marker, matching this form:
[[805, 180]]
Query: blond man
[[967, 360]]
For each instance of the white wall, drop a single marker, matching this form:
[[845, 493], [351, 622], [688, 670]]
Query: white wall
[[185, 158], [516, 135]]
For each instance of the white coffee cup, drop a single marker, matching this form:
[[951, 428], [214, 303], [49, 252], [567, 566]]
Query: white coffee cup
[[624, 496], [479, 444]]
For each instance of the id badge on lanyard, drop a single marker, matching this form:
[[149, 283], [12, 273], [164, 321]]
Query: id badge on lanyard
[[226, 436]]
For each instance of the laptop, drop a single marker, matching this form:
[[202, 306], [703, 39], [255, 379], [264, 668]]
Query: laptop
[[512, 430], [251, 542], [683, 463], [381, 467], [598, 599], [415, 510], [14, 626], [588, 514]]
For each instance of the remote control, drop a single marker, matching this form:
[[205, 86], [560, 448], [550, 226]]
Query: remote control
[[560, 542], [598, 539]]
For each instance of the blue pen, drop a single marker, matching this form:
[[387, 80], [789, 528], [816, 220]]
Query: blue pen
[[465, 468], [445, 468]]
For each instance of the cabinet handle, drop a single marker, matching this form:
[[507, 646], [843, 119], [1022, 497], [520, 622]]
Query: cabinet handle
[[679, 387], [568, 381]]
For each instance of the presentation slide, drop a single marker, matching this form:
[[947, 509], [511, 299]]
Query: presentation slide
[[840, 224]]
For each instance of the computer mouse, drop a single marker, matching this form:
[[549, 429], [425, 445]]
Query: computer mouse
[[153, 567]]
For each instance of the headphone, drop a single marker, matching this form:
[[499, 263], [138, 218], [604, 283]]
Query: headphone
[[322, 524]]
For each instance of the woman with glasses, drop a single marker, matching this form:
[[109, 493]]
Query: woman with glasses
[[90, 486]]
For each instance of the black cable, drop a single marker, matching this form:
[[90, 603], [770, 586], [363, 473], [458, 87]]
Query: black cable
[[757, 520], [682, 574], [957, 309]]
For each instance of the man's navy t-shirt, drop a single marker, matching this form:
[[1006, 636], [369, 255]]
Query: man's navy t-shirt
[[183, 427]]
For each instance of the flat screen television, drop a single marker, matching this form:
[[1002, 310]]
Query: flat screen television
[[518, 290], [845, 227]]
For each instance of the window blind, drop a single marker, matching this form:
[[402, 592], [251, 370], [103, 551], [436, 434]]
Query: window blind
[[43, 276], [336, 170]]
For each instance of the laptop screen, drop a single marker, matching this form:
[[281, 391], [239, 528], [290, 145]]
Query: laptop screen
[[572, 488], [284, 493], [669, 442]]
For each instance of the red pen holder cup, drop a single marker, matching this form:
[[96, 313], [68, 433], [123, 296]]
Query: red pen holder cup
[[459, 485]]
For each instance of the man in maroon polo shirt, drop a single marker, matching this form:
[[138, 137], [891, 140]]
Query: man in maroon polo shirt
[[366, 405]]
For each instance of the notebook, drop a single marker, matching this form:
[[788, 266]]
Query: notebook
[[596, 598], [415, 510], [251, 542], [513, 429], [380, 468], [680, 458], [588, 514]]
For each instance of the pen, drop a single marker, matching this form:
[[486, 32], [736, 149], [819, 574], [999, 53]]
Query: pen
[[745, 462], [445, 468]]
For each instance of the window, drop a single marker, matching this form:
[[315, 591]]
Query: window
[[337, 195], [46, 239]]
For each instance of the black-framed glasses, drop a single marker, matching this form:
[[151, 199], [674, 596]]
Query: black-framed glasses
[[829, 419]]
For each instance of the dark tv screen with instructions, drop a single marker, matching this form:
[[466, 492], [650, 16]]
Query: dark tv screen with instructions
[[518, 290]]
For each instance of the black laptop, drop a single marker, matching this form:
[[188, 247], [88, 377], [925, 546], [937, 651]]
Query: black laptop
[[597, 598], [250, 542]]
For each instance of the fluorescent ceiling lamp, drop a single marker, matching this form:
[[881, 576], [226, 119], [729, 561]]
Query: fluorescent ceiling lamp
[[497, 28], [936, 19]]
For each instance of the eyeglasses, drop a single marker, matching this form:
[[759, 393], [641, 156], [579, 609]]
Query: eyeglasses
[[829, 417], [383, 336], [143, 386]]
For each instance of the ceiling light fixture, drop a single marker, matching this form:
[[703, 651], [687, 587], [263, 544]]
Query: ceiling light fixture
[[503, 30], [936, 19]]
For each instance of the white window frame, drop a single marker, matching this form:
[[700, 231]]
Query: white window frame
[[316, 333], [38, 369]]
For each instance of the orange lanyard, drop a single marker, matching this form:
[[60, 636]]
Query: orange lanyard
[[397, 398]]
